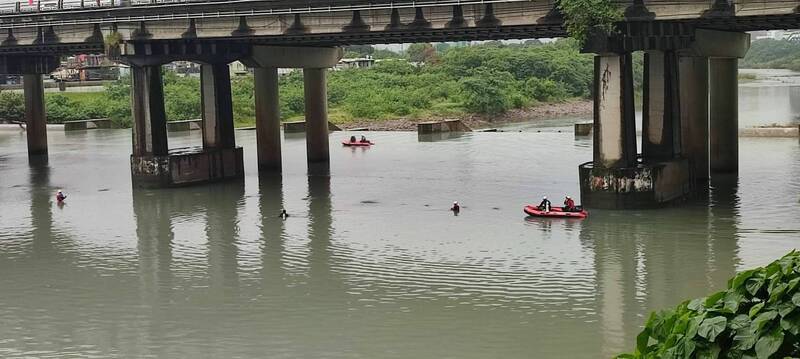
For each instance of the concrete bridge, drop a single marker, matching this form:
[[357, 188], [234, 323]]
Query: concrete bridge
[[691, 49]]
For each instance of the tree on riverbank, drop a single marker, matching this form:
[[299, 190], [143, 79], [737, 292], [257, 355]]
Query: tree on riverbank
[[773, 54], [757, 316]]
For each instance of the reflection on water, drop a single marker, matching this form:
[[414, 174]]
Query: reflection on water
[[370, 262]]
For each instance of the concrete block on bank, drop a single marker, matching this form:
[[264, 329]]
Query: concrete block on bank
[[300, 126], [770, 132], [187, 125], [442, 126], [584, 128], [87, 124]]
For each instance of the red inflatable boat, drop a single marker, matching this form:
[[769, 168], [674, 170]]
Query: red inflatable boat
[[554, 212], [358, 144]]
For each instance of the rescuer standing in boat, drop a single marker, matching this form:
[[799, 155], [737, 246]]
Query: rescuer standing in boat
[[545, 205]]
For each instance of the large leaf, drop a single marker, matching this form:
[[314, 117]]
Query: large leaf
[[739, 322], [777, 292], [642, 340], [740, 278], [731, 302], [753, 284], [711, 300], [791, 323], [709, 353], [711, 327], [769, 344], [755, 309], [764, 318], [785, 308], [787, 264], [745, 338], [694, 324], [792, 285], [696, 305], [796, 299]]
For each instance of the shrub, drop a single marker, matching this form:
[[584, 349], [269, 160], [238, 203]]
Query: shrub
[[12, 106], [487, 92], [544, 89], [757, 316]]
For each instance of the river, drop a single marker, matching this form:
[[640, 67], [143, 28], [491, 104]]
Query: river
[[370, 264]]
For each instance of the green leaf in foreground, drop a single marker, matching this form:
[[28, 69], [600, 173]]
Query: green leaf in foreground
[[750, 319], [769, 344], [711, 327]]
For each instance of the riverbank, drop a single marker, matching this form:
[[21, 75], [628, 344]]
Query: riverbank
[[576, 107]]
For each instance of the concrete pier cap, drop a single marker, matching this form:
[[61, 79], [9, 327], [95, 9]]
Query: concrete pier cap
[[293, 57], [714, 43]]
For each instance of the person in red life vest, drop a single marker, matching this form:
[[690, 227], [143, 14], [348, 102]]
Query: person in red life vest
[[60, 196], [569, 205]]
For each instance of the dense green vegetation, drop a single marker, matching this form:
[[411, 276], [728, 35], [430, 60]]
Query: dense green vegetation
[[430, 80], [584, 16], [757, 316], [773, 54]]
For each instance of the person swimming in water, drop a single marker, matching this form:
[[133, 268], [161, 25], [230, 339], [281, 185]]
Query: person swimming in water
[[456, 208], [60, 196], [283, 214]]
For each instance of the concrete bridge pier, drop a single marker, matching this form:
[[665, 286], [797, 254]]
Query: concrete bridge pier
[[614, 129], [661, 129], [314, 61], [617, 178], [724, 103], [693, 83], [316, 101], [35, 114], [220, 158], [268, 119], [152, 163], [149, 161]]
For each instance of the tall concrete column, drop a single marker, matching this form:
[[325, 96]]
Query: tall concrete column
[[215, 89], [661, 138], [268, 119], [724, 114], [147, 107], [693, 72], [614, 118], [314, 86], [35, 114]]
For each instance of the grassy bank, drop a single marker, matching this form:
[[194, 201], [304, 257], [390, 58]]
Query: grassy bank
[[490, 79]]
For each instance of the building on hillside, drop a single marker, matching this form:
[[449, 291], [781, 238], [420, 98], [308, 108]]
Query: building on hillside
[[357, 63]]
